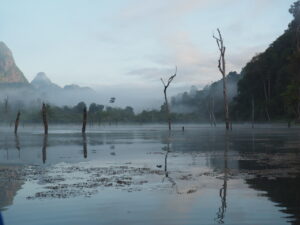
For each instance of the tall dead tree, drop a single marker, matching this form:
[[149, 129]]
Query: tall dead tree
[[211, 108], [166, 85], [6, 105], [17, 122], [267, 91], [298, 38], [45, 121], [222, 69], [213, 111], [252, 103], [84, 120]]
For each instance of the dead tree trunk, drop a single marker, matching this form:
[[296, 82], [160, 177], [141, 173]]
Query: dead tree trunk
[[298, 38], [45, 121], [252, 112], [210, 111], [166, 85], [6, 105], [213, 111], [84, 120], [298, 107], [266, 102], [17, 122], [222, 69]]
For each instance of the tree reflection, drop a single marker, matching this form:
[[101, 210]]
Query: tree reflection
[[223, 191], [84, 145], [17, 142], [44, 151], [167, 176]]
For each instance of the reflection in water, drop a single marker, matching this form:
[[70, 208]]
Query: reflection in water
[[209, 149], [167, 149], [84, 144], [17, 144], [223, 190], [282, 191], [45, 143], [11, 183], [167, 176]]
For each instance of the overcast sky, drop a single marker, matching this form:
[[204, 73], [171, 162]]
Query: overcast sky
[[125, 46]]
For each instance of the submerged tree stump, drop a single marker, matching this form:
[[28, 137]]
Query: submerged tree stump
[[45, 121], [84, 120], [17, 122]]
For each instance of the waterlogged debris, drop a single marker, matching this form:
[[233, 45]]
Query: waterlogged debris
[[88, 180], [186, 177], [73, 180], [191, 191]]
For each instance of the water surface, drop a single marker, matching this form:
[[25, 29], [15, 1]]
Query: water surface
[[147, 175]]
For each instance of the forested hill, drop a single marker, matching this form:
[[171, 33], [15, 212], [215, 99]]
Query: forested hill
[[272, 79], [209, 99]]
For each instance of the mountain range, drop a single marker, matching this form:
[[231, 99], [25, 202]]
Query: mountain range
[[16, 87], [9, 72]]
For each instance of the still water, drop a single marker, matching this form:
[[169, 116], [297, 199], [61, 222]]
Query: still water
[[147, 175]]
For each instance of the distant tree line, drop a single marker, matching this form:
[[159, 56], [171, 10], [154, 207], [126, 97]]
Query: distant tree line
[[97, 114]]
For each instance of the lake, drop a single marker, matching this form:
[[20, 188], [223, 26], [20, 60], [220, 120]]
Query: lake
[[148, 175]]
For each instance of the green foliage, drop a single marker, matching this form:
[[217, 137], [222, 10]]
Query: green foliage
[[269, 77], [295, 9], [292, 100]]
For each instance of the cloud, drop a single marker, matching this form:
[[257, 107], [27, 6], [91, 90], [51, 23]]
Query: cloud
[[195, 65], [151, 73], [158, 10]]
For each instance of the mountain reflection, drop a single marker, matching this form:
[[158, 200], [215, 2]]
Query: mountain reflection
[[11, 182]]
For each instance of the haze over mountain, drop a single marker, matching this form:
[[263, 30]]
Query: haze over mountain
[[210, 98], [41, 81], [9, 72], [16, 88]]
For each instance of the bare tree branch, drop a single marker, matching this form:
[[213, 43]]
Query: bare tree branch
[[166, 85], [222, 69]]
